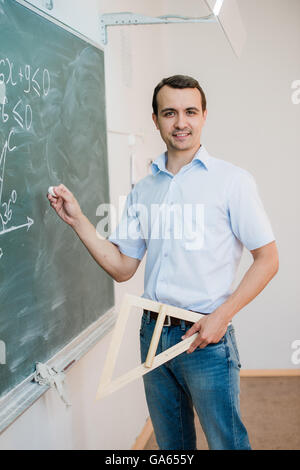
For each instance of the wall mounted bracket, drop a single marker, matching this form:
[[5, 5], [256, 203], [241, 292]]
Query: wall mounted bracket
[[127, 18]]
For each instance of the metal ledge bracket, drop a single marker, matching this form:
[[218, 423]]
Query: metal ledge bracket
[[127, 18]]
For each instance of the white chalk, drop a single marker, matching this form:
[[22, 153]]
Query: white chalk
[[51, 192]]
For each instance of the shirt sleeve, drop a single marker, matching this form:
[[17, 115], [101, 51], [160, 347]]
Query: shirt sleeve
[[249, 221], [128, 234]]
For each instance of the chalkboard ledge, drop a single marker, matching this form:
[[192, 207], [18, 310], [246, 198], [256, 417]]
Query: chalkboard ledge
[[27, 392]]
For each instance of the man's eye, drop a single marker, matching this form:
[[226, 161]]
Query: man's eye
[[170, 113], [191, 112]]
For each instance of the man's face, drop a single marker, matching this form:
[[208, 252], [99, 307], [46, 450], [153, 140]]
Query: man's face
[[180, 118]]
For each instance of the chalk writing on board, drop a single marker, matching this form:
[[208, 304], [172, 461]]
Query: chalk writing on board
[[35, 81], [2, 352]]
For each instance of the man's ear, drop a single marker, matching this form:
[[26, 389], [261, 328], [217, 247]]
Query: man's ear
[[155, 120], [205, 115]]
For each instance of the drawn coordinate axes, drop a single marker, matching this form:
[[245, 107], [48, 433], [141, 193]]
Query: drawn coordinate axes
[[6, 210], [11, 229], [31, 80]]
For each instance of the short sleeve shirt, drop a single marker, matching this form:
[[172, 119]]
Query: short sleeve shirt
[[193, 226]]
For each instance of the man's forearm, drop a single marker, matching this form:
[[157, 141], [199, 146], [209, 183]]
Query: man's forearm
[[254, 281], [105, 253]]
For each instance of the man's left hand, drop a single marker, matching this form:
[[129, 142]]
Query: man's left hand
[[211, 329]]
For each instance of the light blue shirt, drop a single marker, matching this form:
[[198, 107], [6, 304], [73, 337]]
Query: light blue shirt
[[194, 225]]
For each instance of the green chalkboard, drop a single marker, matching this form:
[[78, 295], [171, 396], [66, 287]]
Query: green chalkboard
[[52, 130]]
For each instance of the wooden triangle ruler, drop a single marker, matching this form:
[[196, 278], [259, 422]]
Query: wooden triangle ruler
[[106, 384]]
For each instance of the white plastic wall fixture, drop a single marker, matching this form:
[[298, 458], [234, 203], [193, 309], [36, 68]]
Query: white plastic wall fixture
[[229, 18]]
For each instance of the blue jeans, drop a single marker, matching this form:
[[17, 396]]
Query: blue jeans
[[207, 379]]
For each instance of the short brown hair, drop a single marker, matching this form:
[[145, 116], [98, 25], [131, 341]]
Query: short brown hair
[[178, 81]]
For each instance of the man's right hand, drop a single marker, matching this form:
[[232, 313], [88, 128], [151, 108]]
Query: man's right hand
[[65, 205]]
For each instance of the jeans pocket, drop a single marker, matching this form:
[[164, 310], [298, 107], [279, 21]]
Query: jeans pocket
[[234, 347], [220, 343]]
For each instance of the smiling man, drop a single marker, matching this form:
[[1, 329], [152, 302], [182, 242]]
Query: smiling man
[[192, 269], [180, 127]]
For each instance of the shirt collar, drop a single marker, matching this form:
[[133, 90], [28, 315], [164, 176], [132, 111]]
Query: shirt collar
[[160, 163]]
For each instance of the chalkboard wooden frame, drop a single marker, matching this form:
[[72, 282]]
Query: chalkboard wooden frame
[[54, 20], [27, 392]]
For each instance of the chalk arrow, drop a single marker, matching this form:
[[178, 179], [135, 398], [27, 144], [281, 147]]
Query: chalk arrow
[[11, 229]]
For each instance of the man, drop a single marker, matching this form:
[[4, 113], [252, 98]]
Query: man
[[191, 263]]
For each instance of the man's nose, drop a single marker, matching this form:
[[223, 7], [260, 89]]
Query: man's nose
[[181, 121]]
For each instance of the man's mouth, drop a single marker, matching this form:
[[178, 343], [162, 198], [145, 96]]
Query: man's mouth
[[181, 135]]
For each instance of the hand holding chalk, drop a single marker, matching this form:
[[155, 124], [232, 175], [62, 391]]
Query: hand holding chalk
[[65, 204], [51, 191]]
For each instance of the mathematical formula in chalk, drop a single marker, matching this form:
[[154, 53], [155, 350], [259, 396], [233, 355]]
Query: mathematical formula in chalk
[[19, 115]]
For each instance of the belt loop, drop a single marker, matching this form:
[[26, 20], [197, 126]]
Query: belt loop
[[183, 325]]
